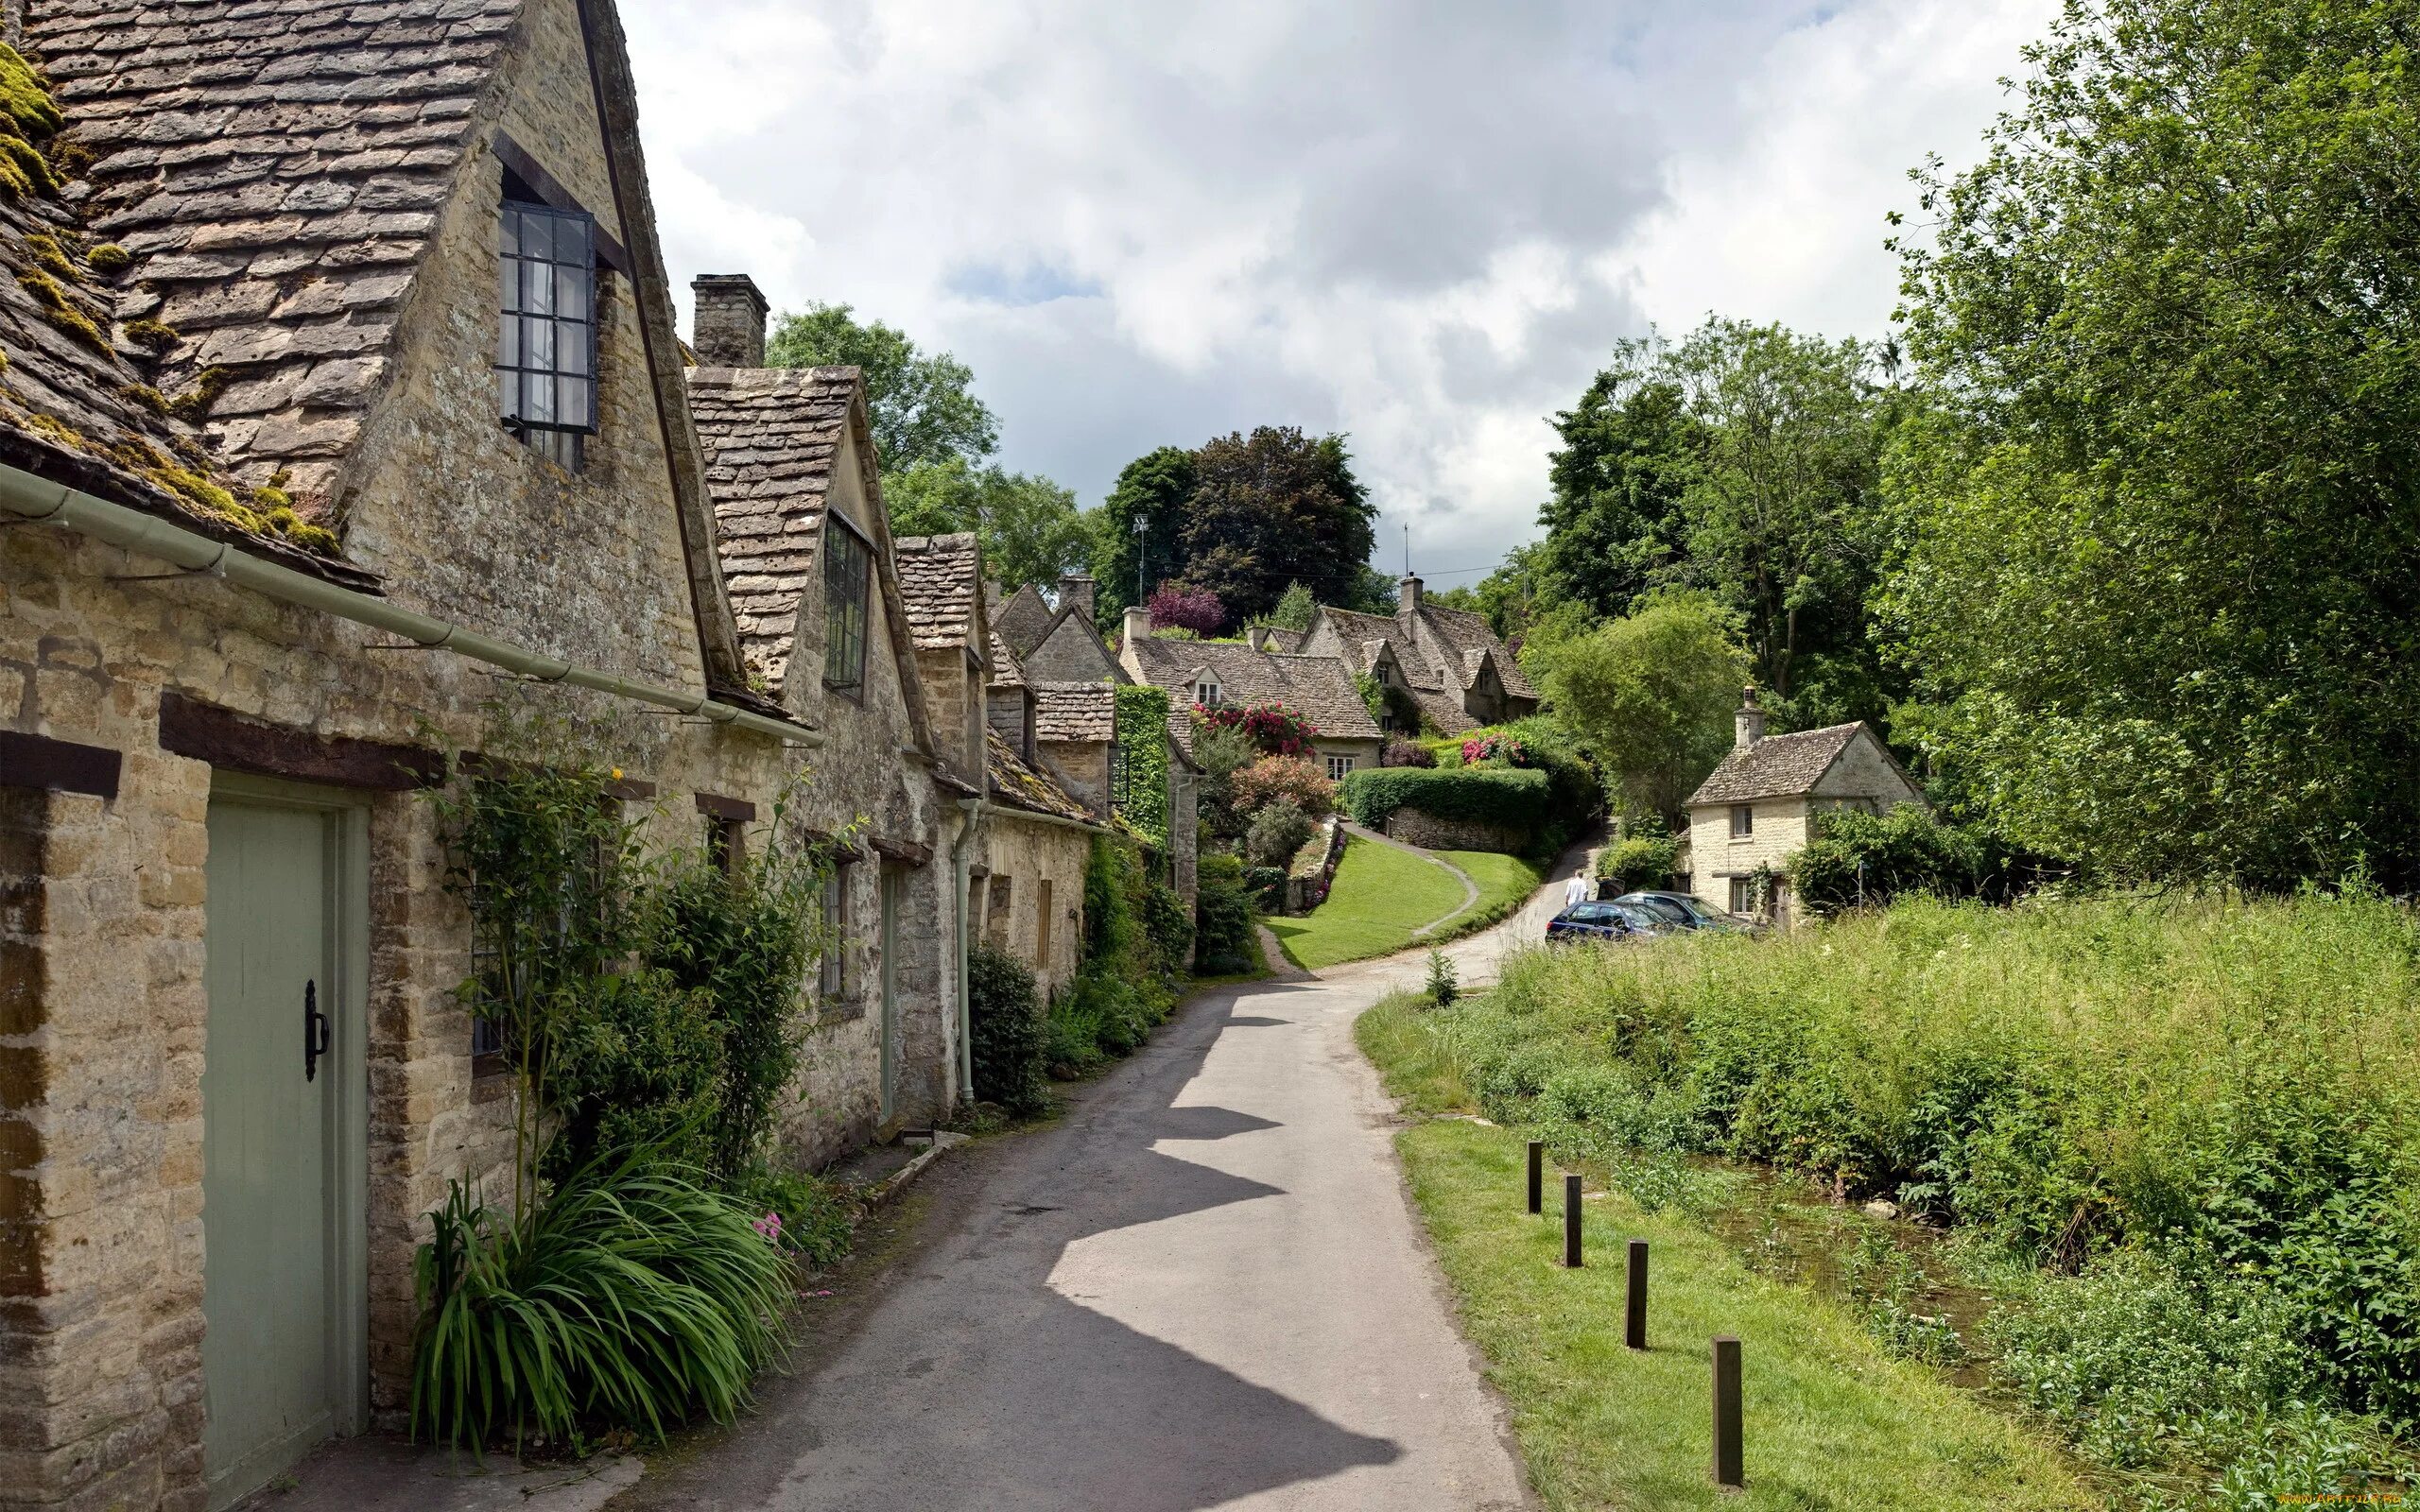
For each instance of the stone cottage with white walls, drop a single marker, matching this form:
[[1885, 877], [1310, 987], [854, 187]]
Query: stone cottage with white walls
[[289, 491], [1759, 808]]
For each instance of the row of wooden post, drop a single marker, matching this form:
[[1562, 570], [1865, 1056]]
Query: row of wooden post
[[1727, 1459]]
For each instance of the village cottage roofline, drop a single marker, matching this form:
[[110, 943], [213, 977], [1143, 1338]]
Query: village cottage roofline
[[1788, 766]]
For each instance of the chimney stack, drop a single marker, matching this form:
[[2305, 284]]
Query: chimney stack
[[1138, 625], [1747, 725], [1076, 589], [1408, 594], [1257, 636], [729, 328]]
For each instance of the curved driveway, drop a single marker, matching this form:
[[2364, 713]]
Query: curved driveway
[[1203, 1287]]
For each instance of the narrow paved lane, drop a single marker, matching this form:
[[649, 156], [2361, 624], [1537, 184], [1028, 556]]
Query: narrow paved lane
[[1202, 1288]]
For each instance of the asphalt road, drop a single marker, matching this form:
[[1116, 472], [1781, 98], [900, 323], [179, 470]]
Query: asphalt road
[[1203, 1287]]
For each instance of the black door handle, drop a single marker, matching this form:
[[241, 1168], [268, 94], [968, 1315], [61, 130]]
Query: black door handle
[[315, 1031]]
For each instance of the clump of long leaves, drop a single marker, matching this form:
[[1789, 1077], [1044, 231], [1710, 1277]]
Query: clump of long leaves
[[631, 1297]]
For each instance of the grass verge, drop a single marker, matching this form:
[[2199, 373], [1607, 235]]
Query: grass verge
[[1505, 883], [1381, 894], [1831, 1420]]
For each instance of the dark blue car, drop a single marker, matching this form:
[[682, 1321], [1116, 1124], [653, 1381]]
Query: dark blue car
[[1604, 921]]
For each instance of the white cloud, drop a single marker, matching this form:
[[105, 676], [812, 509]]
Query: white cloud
[[1418, 221]]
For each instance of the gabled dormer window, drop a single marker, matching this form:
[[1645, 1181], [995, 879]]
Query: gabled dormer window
[[1206, 693], [545, 364], [847, 573]]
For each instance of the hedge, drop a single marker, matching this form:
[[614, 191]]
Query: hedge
[[1143, 747], [1514, 798]]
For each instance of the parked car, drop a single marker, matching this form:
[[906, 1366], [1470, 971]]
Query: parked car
[[1606, 919], [1682, 911]]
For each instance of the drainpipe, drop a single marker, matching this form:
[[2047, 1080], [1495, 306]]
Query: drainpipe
[[24, 496], [962, 857]]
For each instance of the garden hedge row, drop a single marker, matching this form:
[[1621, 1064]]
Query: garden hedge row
[[1515, 797]]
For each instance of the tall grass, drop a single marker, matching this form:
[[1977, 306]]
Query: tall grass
[[2226, 1086]]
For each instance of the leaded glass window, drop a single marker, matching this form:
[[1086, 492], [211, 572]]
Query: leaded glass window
[[847, 567], [545, 363]]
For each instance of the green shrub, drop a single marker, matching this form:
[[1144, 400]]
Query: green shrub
[[1872, 858], [640, 1063], [1639, 862], [1443, 985], [1126, 983], [817, 1218], [1222, 939], [1295, 780], [1142, 726], [1005, 1032], [1511, 796], [1277, 832], [1168, 924], [634, 1298], [1266, 885]]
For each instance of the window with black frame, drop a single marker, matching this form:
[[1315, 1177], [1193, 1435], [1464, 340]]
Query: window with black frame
[[545, 364], [847, 569]]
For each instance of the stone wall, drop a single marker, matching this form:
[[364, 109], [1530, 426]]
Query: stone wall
[[1070, 653], [1028, 854], [1430, 832], [1716, 857]]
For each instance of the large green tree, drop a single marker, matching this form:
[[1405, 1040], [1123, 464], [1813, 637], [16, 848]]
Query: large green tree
[[1151, 490], [922, 403], [2162, 524], [1650, 694], [1271, 509], [1615, 526], [1028, 526]]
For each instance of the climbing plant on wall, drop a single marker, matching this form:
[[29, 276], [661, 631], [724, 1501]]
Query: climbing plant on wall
[[1143, 761]]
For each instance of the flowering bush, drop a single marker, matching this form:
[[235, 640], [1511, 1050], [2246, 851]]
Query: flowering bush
[[1402, 751], [1295, 778], [1179, 607], [1494, 745], [770, 1225], [1272, 727]]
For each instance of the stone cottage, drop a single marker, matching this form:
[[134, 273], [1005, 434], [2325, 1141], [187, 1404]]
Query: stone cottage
[[1759, 807], [1214, 673], [1066, 646], [1445, 667], [341, 398]]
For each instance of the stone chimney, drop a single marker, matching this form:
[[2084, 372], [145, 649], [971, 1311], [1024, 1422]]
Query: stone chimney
[[1138, 625], [1408, 594], [729, 330], [1747, 725], [1259, 636], [1076, 589]]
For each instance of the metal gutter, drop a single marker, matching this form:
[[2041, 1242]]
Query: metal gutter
[[26, 496], [971, 814], [1016, 812]]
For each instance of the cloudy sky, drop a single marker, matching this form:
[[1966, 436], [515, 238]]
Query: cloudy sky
[[1421, 222]]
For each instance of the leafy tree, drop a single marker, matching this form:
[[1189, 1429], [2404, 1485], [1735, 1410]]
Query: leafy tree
[[1182, 606], [1028, 527], [922, 403], [2162, 559], [1271, 509], [1511, 597], [1615, 523], [1153, 489], [1650, 694], [1292, 611]]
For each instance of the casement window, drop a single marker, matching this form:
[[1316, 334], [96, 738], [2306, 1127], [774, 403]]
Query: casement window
[[1743, 895], [1337, 766], [1743, 820], [545, 360], [848, 571], [1207, 693], [834, 980]]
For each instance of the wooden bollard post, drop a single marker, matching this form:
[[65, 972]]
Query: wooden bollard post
[[1537, 1175], [1571, 1220], [1727, 1457], [1635, 1321]]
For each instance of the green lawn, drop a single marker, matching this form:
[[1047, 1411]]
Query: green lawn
[[1505, 883], [1830, 1421], [1381, 895]]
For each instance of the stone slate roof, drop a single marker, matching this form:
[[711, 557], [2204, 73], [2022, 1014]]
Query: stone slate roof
[[1775, 766], [1023, 618], [938, 581], [1075, 711], [1285, 641], [1006, 670], [271, 173], [1463, 632], [771, 437], [1321, 688], [1020, 786]]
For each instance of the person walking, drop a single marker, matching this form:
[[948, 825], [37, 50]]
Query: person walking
[[1579, 890]]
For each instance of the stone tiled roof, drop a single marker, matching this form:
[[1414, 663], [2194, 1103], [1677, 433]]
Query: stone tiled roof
[[203, 302], [1007, 672], [1775, 766], [1468, 635], [1321, 688], [1283, 639], [1023, 618], [771, 437], [938, 581], [1075, 711], [1020, 786]]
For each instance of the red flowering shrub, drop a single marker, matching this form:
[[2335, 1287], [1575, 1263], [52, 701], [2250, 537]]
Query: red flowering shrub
[[1294, 778], [1494, 747], [1178, 607], [1272, 727]]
